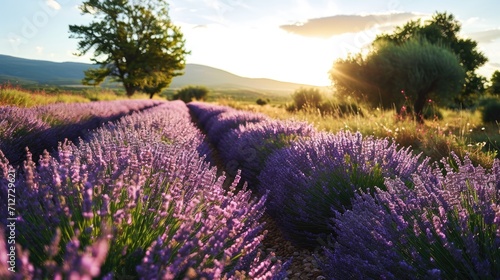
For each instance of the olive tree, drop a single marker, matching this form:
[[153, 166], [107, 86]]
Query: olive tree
[[133, 41], [413, 72], [444, 30], [399, 74]]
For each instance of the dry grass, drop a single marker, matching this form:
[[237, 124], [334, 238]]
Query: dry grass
[[461, 132]]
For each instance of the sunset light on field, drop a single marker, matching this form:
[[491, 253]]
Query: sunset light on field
[[295, 41]]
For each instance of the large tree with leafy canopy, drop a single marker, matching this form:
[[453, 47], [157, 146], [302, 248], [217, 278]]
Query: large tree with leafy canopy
[[443, 29], [134, 42], [402, 75]]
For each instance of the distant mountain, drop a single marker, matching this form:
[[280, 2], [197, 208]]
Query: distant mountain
[[71, 73]]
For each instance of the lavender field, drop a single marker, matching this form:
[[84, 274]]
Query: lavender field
[[165, 190]]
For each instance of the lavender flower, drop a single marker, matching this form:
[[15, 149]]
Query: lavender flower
[[204, 112], [248, 147], [41, 128], [221, 124], [445, 227], [312, 176], [141, 176]]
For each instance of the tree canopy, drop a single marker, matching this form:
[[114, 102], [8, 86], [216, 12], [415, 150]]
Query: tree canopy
[[410, 73], [443, 29], [133, 41], [495, 83]]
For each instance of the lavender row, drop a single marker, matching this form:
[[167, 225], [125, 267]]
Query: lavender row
[[380, 211], [245, 140], [313, 176], [305, 173], [43, 127], [136, 199], [446, 226]]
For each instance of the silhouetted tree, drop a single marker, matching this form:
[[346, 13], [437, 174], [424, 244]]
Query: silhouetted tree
[[443, 29], [133, 41], [494, 89], [410, 73]]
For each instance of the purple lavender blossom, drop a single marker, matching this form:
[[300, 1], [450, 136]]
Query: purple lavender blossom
[[143, 177], [204, 112], [248, 147], [41, 128], [312, 176], [444, 227], [221, 124]]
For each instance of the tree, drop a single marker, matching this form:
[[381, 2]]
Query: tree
[[189, 93], [94, 76], [134, 42], [443, 29], [410, 73], [494, 89]]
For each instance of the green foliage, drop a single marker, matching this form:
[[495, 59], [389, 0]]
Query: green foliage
[[491, 110], [432, 113], [190, 93], [494, 89], [262, 102], [307, 98], [443, 29], [340, 109], [411, 73], [95, 76], [134, 42]]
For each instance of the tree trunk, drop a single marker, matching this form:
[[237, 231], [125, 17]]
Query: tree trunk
[[151, 95], [418, 106], [130, 90]]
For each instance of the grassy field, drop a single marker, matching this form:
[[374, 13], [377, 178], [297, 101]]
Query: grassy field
[[18, 96], [460, 131]]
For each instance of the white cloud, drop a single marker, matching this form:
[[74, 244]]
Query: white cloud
[[53, 4], [39, 49]]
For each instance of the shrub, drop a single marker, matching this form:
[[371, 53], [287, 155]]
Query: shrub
[[445, 227], [262, 102], [491, 111], [340, 109], [312, 176], [307, 98], [190, 93], [432, 112]]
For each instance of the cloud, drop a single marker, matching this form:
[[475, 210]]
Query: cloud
[[494, 64], [39, 49], [487, 36], [326, 27], [53, 4]]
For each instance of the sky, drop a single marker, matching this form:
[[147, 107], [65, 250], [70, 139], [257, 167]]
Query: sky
[[287, 40]]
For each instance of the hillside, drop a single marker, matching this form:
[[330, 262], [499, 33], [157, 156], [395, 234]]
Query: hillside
[[29, 71]]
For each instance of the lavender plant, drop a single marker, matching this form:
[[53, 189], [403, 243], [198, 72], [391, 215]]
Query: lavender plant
[[143, 178], [17, 122], [445, 227], [312, 176], [248, 147], [218, 126], [43, 127], [203, 112]]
